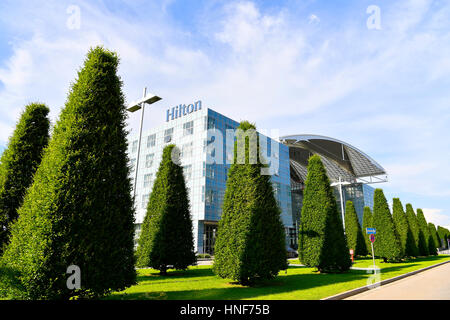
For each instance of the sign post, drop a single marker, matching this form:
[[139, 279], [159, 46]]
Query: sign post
[[372, 232]]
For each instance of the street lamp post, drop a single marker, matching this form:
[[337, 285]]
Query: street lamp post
[[340, 183], [135, 106]]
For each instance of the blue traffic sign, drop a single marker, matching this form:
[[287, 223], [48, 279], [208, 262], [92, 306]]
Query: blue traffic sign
[[371, 231]]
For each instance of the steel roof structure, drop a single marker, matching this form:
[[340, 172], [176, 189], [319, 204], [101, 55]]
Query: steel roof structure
[[340, 159]]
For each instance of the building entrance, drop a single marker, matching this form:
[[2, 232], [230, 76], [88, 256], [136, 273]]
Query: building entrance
[[209, 237]]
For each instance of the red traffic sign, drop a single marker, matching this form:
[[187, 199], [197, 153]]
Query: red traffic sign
[[372, 238]]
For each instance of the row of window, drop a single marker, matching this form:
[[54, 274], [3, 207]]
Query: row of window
[[188, 129], [148, 162]]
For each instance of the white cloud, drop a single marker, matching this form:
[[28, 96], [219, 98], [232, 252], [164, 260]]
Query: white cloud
[[263, 66], [313, 19], [437, 217]]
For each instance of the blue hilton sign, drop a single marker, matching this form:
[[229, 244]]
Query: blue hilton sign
[[182, 110]]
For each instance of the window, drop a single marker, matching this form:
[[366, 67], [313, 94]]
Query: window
[[188, 128], [187, 150], [210, 197], [148, 180], [187, 170], [151, 140], [145, 200], [133, 165], [135, 146], [208, 170], [149, 160], [211, 123], [168, 135]]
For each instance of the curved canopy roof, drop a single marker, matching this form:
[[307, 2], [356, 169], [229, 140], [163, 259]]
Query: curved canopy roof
[[340, 158]]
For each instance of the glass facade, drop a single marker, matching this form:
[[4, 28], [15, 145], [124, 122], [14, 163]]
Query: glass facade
[[360, 194], [207, 151], [206, 155]]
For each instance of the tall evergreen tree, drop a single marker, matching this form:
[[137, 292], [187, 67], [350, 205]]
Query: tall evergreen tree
[[79, 210], [446, 237], [432, 240], [367, 223], [167, 232], [250, 242], [387, 243], [353, 232], [443, 234], [424, 249], [438, 238], [322, 242], [404, 231], [414, 226], [434, 235], [19, 162]]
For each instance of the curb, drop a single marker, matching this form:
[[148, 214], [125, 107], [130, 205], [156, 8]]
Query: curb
[[356, 291]]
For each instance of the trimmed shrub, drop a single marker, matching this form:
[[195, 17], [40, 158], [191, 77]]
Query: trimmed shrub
[[434, 235], [413, 225], [353, 232], [424, 249], [79, 210], [367, 223], [250, 242], [322, 242], [404, 231], [167, 232], [387, 243], [19, 162], [433, 242], [443, 236]]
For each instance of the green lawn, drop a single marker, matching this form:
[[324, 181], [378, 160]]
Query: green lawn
[[298, 283]]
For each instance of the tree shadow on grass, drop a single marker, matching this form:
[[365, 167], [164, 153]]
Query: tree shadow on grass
[[281, 284], [193, 272]]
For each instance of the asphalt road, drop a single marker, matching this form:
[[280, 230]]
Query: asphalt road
[[433, 284]]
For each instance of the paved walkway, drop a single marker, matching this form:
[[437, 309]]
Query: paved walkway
[[433, 284]]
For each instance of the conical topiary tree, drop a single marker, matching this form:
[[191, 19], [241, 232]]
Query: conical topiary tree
[[387, 244], [322, 242], [167, 232], [367, 223], [438, 237], [423, 233], [404, 231], [414, 226], [443, 233], [433, 242], [446, 236], [79, 210], [353, 232], [251, 242], [19, 162]]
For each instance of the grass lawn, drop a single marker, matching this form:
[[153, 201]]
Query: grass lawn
[[298, 283]]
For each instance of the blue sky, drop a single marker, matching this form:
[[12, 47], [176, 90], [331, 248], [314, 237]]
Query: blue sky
[[297, 66]]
